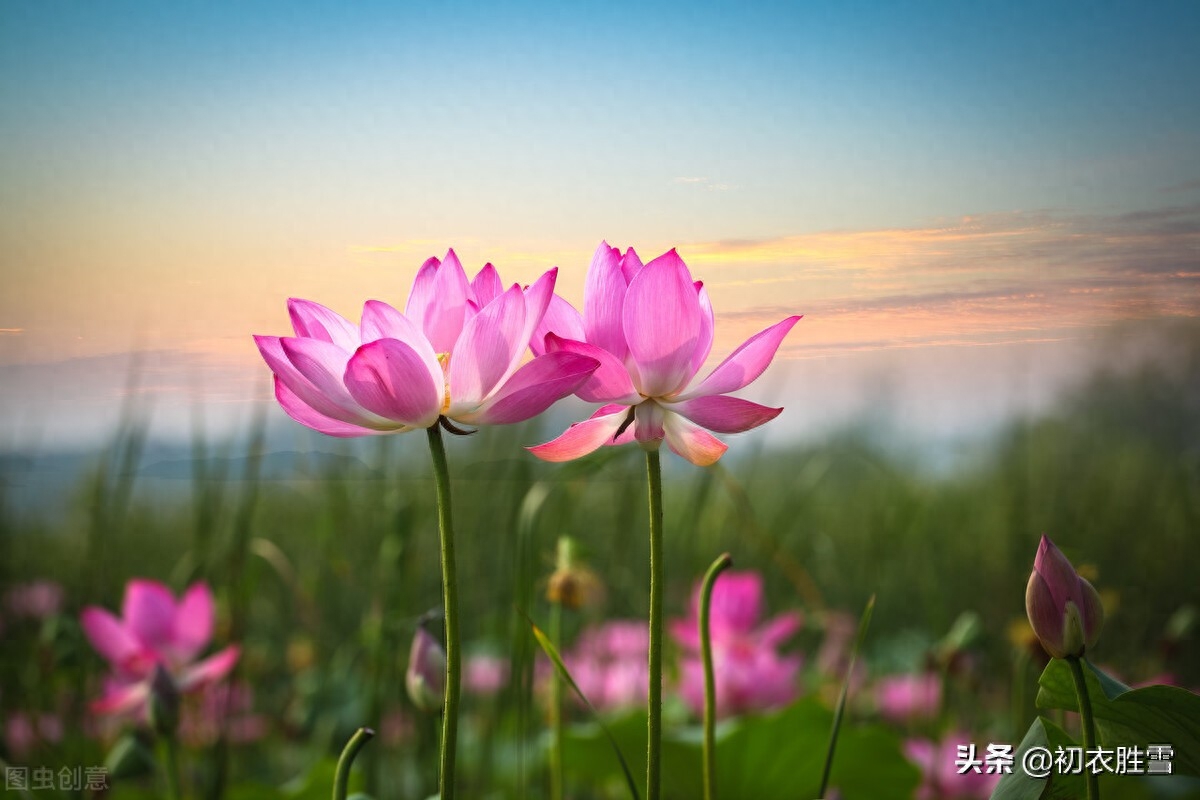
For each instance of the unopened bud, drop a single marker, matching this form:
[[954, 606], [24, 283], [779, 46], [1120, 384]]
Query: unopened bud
[[425, 678], [572, 585], [1064, 609], [163, 705]]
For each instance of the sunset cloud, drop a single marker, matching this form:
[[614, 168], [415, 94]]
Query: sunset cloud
[[981, 280]]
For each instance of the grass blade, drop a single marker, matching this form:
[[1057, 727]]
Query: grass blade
[[552, 652], [864, 622]]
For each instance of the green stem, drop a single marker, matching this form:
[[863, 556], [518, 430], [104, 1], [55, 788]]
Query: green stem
[[1089, 723], [341, 778], [657, 581], [441, 472], [723, 562], [556, 709], [169, 755]]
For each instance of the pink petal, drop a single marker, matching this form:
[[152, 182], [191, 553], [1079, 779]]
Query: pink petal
[[534, 388], [725, 414], [1045, 616], [686, 632], [193, 621], [108, 635], [122, 699], [691, 441], [746, 363], [422, 294], [1061, 578], [314, 321], [149, 612], [537, 303], [210, 670], [631, 265], [610, 382], [298, 387], [323, 366], [562, 320], [737, 601], [780, 629], [661, 320], [648, 422], [603, 301], [487, 286], [447, 313], [583, 437], [303, 413], [381, 321], [388, 378], [490, 343], [704, 345]]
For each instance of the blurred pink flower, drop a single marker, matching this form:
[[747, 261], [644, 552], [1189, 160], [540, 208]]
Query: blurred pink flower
[[750, 674], [651, 329], [941, 777], [833, 656], [35, 600], [425, 678], [24, 731], [154, 629], [217, 708], [906, 698], [395, 727], [609, 663], [455, 352], [485, 674]]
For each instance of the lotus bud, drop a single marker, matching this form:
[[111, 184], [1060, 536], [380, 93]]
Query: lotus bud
[[1064, 609], [572, 585], [163, 706], [425, 678]]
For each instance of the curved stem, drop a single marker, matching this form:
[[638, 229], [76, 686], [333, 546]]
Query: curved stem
[[657, 579], [341, 778], [723, 562], [1089, 723], [441, 473]]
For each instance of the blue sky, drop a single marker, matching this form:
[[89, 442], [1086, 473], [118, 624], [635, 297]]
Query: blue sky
[[902, 173]]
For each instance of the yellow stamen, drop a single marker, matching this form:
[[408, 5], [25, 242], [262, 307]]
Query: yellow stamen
[[444, 360]]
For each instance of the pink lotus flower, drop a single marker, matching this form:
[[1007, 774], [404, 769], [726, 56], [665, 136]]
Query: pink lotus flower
[[221, 709], [485, 675], [37, 600], [750, 674], [905, 698], [155, 630], [609, 663], [1064, 609], [942, 779], [651, 329], [455, 352], [25, 731]]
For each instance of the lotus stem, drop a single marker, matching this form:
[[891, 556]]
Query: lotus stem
[[169, 753], [441, 473], [556, 709], [341, 778], [657, 580], [1089, 723], [723, 562]]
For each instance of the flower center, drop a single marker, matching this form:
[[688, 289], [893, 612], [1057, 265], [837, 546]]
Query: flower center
[[444, 360]]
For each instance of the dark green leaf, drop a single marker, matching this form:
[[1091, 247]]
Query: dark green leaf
[[1131, 717]]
